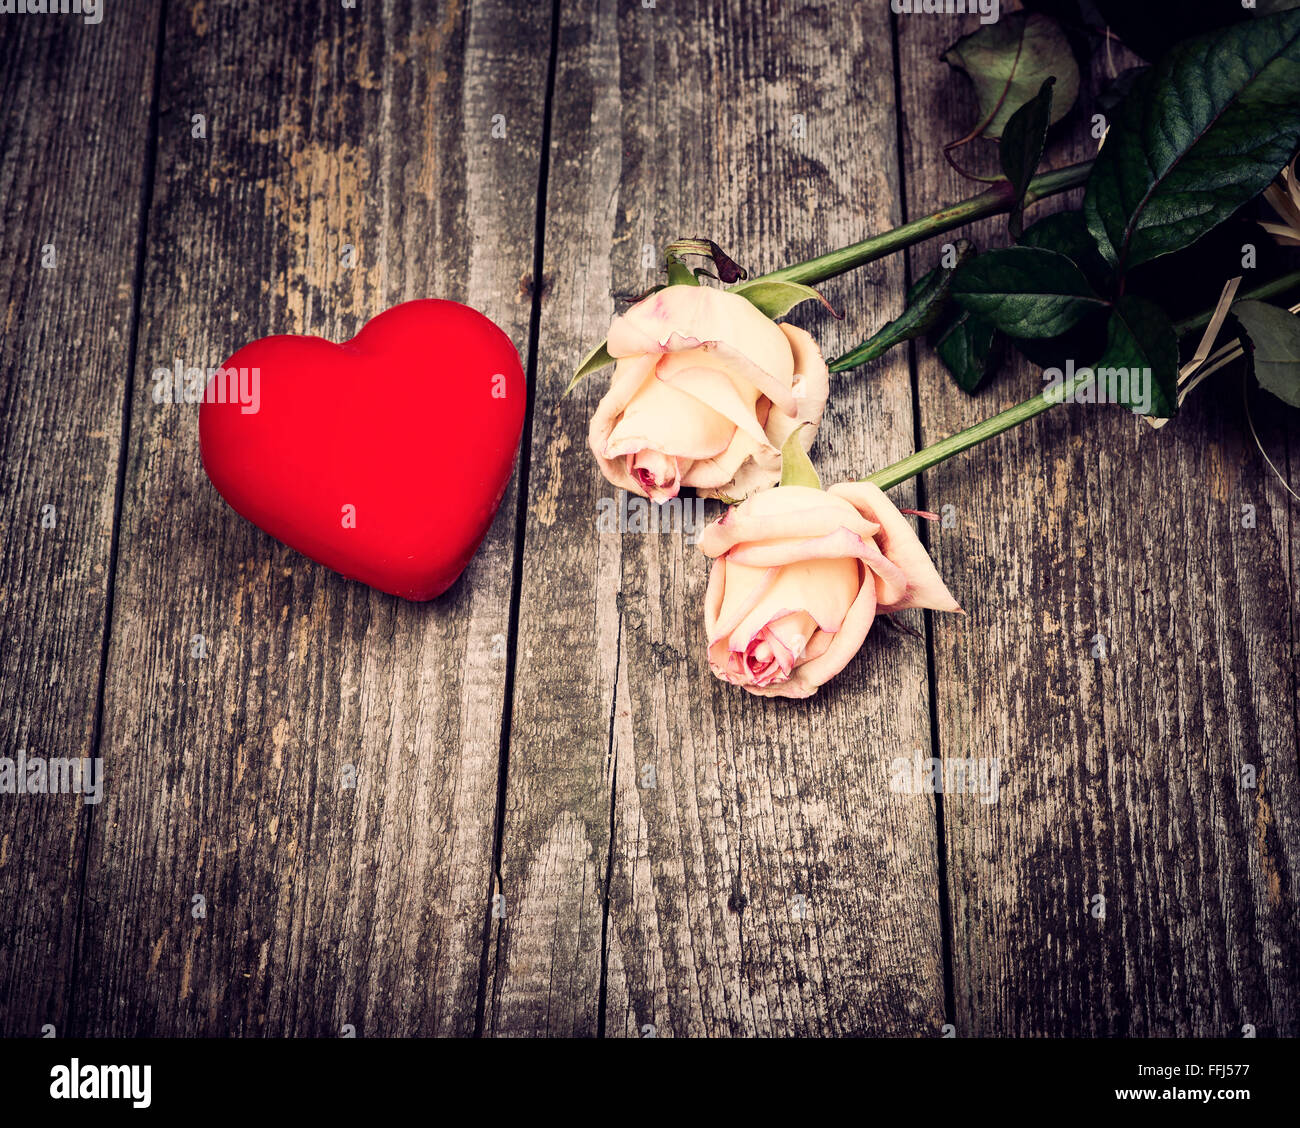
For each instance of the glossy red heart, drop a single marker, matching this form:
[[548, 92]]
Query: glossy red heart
[[384, 458]]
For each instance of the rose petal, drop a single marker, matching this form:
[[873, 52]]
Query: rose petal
[[811, 388], [777, 514], [703, 377], [716, 476], [629, 375], [660, 475], [823, 589], [790, 636], [846, 642], [819, 644], [703, 314], [738, 590], [659, 417], [841, 544], [900, 545]]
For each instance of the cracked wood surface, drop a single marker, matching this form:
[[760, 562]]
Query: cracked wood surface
[[675, 857], [68, 241], [1121, 774], [768, 882], [326, 905]]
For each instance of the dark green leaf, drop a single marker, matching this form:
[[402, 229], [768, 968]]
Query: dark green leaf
[[1007, 61], [1067, 234], [1190, 281], [926, 302], [1140, 365], [1272, 339], [776, 299], [1202, 132], [1021, 148], [1120, 88], [1083, 343], [594, 361], [965, 345], [1025, 291]]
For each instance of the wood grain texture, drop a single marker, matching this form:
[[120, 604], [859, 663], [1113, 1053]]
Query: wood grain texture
[[677, 858], [326, 905], [74, 121], [747, 126], [1120, 775]]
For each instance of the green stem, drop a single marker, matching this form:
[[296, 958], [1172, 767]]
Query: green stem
[[879, 344], [996, 201], [679, 274], [938, 452], [913, 464], [889, 336], [865, 353]]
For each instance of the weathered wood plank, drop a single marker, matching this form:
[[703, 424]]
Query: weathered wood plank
[[1120, 775], [74, 126], [751, 128], [325, 905]]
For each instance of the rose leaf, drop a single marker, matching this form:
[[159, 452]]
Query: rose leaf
[[1008, 62], [1067, 234], [925, 304], [1140, 365], [1272, 340], [776, 299], [1202, 132], [965, 345], [1021, 148], [1026, 291], [594, 362]]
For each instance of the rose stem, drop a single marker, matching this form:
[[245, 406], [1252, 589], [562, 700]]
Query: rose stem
[[944, 449], [938, 452], [875, 347], [995, 201]]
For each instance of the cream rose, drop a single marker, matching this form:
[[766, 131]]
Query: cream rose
[[706, 390], [799, 575]]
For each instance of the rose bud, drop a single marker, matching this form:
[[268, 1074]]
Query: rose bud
[[799, 575], [706, 390]]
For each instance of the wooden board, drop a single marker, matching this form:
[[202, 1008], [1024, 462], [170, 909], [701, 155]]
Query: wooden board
[[569, 827], [676, 909], [327, 906], [74, 126], [1121, 775]]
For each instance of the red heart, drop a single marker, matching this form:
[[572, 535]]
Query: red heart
[[384, 458]]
